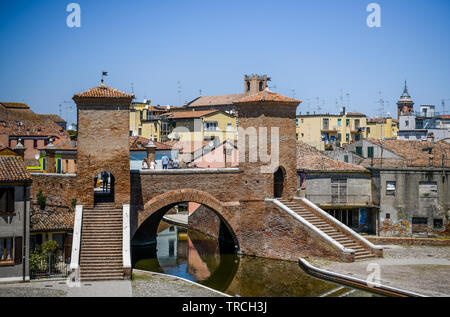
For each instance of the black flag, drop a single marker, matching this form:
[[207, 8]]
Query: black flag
[[104, 73]]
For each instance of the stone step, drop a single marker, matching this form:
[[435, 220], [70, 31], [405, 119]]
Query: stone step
[[102, 275]]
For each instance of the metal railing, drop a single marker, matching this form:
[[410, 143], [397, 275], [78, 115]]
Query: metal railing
[[339, 200], [51, 266]]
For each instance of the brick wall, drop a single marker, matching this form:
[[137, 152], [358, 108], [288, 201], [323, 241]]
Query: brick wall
[[58, 188], [204, 219], [103, 132]]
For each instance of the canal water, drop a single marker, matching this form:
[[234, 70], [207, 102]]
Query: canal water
[[195, 256]]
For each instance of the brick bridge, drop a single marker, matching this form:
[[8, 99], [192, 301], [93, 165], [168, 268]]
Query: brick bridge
[[256, 201]]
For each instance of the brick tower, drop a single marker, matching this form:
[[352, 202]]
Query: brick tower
[[254, 84], [405, 105], [103, 142], [258, 114]]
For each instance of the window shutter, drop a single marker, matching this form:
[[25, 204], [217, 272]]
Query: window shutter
[[18, 250], [10, 200]]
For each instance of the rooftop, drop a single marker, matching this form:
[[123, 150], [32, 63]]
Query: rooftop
[[13, 169], [412, 153], [266, 96], [103, 91], [311, 159], [220, 100], [189, 114], [48, 221]]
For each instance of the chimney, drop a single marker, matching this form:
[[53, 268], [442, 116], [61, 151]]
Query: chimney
[[20, 149], [50, 157]]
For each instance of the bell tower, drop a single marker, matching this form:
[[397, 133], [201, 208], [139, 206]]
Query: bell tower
[[405, 105]]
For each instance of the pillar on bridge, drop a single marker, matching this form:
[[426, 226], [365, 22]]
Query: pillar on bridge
[[103, 142], [266, 143], [151, 150]]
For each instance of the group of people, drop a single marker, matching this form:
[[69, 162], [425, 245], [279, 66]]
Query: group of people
[[104, 176], [167, 163]]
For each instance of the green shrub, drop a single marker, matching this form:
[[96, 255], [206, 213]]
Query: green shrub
[[42, 199]]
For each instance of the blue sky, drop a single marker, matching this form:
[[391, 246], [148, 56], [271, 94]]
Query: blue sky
[[317, 48]]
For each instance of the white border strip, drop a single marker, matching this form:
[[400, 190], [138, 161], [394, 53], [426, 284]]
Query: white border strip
[[126, 250], [311, 226], [182, 279], [76, 240], [340, 224], [354, 279], [14, 279]]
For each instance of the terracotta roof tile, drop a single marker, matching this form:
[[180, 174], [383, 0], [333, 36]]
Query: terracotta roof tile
[[50, 221], [139, 143], [266, 96], [189, 114], [219, 100], [309, 158], [103, 91], [15, 105], [413, 153], [12, 168]]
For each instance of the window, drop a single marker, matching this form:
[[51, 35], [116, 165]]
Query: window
[[248, 86], [346, 158], [6, 249], [357, 123], [141, 115], [303, 135], [338, 191], [296, 136], [438, 223], [347, 137], [6, 200], [357, 137], [388, 216], [370, 151], [390, 188], [325, 124], [302, 120], [339, 122], [211, 126], [229, 127], [296, 121], [261, 86], [347, 122], [35, 143], [406, 123], [140, 131]]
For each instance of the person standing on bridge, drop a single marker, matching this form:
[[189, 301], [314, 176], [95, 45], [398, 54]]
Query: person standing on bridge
[[144, 164], [165, 161]]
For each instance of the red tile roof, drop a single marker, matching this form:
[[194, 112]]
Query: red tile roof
[[51, 220], [266, 96], [189, 114], [15, 105], [103, 91], [13, 169], [309, 158], [412, 153], [220, 100], [139, 143]]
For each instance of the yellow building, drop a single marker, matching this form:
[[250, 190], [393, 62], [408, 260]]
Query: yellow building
[[147, 121], [189, 125], [382, 128], [323, 131]]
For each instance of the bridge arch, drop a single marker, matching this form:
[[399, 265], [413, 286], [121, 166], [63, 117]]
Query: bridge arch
[[155, 209]]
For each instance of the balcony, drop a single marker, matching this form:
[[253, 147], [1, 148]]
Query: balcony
[[328, 129], [329, 200]]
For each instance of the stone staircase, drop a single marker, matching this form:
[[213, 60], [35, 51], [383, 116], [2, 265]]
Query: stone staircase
[[362, 251], [101, 243]]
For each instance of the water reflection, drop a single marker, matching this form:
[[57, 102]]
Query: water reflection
[[197, 257]]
